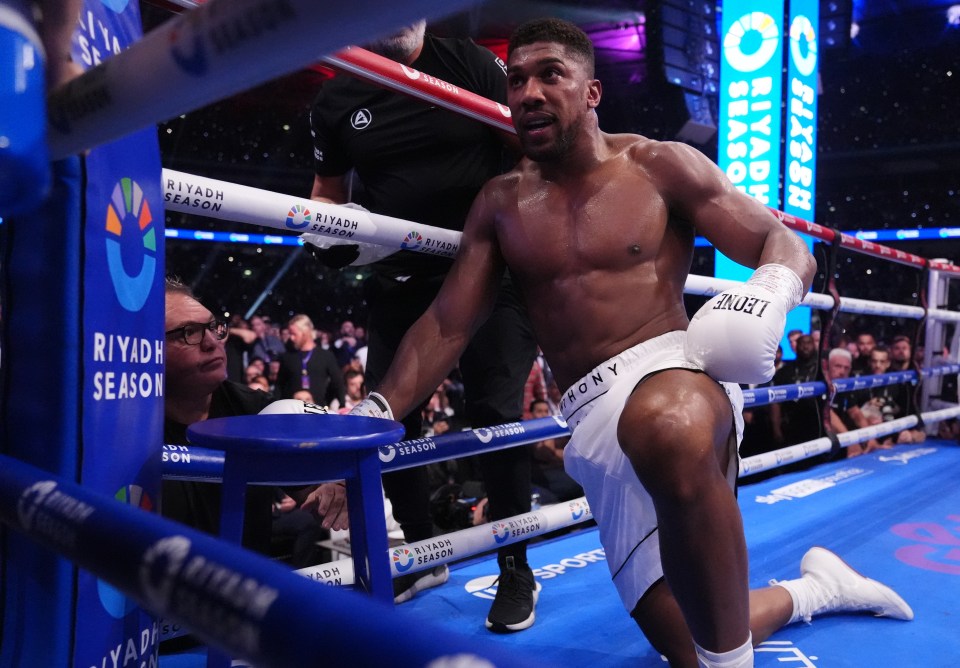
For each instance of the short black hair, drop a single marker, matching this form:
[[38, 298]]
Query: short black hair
[[557, 31]]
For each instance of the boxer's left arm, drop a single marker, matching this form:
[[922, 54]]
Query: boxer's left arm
[[432, 346], [744, 230]]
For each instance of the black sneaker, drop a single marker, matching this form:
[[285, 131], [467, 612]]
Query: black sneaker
[[406, 587], [513, 606]]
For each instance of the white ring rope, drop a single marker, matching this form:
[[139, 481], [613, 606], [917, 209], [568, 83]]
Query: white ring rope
[[199, 195], [414, 557], [188, 193], [457, 545]]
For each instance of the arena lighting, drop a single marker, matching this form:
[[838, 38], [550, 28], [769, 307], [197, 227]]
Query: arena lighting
[[953, 16], [925, 234]]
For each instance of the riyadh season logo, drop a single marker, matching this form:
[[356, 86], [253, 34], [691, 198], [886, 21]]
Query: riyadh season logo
[[577, 509], [298, 217], [500, 532], [113, 601], [387, 453], [402, 559], [751, 42], [412, 241], [128, 210], [803, 45], [483, 434]]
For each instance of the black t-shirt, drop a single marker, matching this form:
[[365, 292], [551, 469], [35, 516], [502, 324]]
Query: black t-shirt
[[197, 504], [416, 161]]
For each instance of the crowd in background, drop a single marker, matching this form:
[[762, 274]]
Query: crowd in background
[[257, 348]]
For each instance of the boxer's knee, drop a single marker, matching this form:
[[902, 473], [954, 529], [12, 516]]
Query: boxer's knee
[[671, 430]]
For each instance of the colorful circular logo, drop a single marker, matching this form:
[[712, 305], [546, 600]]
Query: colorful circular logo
[[500, 532], [412, 241], [803, 45], [114, 602], [402, 559], [576, 510], [751, 42], [298, 217], [129, 209]]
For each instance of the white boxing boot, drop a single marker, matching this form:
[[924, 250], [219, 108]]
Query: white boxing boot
[[828, 585]]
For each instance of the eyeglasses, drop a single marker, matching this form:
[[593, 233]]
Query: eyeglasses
[[192, 334]]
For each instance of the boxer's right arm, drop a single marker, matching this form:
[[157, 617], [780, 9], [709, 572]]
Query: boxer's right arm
[[433, 345]]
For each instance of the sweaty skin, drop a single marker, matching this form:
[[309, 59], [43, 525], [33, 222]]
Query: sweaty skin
[[598, 231]]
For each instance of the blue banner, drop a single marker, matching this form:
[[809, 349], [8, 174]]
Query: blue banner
[[751, 87], [750, 94], [122, 417]]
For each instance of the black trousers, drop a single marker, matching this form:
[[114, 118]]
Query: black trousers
[[494, 367]]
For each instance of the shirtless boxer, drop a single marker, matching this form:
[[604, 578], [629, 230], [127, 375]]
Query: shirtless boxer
[[598, 232]]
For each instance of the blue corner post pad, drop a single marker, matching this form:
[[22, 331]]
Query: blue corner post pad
[[179, 573]]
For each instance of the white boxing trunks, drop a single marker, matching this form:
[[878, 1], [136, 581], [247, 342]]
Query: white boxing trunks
[[621, 506]]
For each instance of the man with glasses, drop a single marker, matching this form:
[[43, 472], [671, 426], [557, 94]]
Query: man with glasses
[[197, 389]]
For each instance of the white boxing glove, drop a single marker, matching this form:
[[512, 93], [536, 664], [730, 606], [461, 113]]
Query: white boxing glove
[[373, 406], [352, 253], [293, 407], [735, 336]]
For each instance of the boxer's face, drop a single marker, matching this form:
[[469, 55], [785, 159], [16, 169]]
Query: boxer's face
[[550, 92]]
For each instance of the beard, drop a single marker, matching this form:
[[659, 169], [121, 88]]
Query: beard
[[400, 45], [556, 150]]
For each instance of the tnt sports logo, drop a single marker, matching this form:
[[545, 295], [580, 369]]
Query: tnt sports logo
[[803, 45], [751, 42], [500, 532], [128, 211], [402, 559], [412, 241], [298, 217], [113, 601], [387, 453], [484, 586], [361, 118]]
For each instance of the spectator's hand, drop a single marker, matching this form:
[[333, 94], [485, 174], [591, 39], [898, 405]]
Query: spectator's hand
[[329, 502], [905, 437], [336, 255], [285, 504]]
